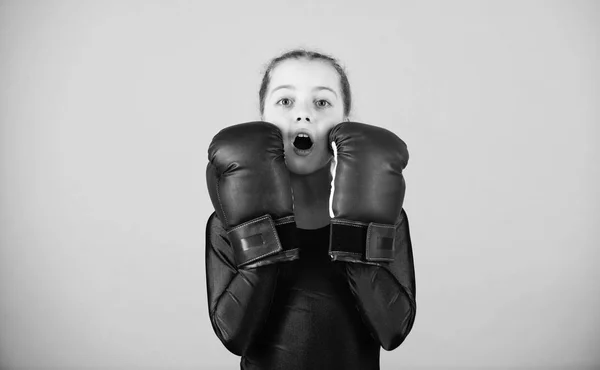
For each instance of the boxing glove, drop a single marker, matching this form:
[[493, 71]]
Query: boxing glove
[[249, 186], [367, 192]]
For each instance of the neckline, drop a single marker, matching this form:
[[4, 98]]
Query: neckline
[[321, 229]]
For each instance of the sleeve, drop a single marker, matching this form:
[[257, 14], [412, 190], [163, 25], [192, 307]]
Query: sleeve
[[239, 300], [385, 292]]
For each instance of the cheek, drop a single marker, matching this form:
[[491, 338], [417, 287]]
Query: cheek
[[274, 116], [283, 129], [335, 115], [325, 128]]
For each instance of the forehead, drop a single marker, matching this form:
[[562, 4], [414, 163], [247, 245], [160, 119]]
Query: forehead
[[304, 73]]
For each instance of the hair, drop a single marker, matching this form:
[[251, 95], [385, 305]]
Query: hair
[[310, 55]]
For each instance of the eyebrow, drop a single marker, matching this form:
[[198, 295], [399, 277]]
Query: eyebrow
[[314, 89]]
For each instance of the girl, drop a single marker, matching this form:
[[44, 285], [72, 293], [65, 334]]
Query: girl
[[304, 272]]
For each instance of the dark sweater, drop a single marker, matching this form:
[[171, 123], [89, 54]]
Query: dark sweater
[[311, 313]]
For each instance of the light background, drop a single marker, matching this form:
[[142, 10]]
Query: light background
[[107, 110]]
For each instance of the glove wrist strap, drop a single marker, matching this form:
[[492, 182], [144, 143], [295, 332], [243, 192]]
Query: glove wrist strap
[[262, 237], [370, 242]]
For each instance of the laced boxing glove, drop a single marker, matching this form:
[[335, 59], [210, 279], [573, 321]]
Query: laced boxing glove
[[367, 192], [250, 189]]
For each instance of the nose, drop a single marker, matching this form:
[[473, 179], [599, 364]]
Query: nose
[[303, 113]]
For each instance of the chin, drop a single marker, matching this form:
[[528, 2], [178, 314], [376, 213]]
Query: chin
[[299, 168], [305, 166]]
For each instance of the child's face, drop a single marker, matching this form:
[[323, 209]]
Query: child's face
[[304, 97]]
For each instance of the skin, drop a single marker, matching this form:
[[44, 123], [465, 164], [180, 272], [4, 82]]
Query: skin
[[306, 95]]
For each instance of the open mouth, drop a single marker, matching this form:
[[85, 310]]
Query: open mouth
[[303, 142]]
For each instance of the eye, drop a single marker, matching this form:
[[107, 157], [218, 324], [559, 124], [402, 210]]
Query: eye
[[286, 102], [322, 103]]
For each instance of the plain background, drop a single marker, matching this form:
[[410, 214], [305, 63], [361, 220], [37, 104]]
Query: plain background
[[107, 110]]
